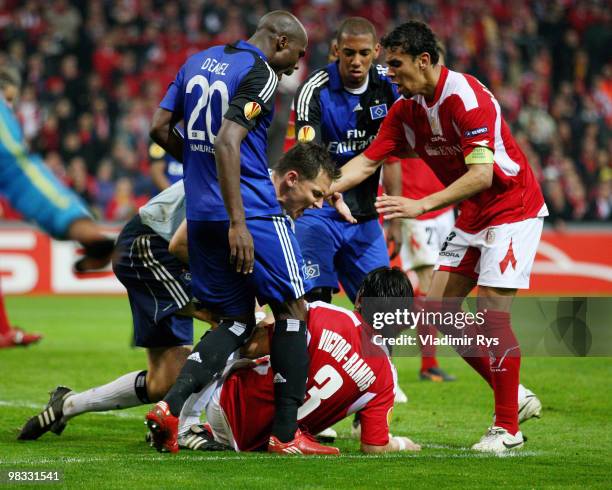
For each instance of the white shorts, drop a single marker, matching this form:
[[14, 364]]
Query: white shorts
[[499, 256], [423, 239]]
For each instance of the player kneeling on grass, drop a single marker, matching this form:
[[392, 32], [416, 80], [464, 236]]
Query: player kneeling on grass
[[347, 373], [158, 286]]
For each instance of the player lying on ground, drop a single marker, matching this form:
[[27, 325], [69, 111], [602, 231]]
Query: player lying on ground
[[455, 125], [347, 373], [159, 290], [33, 190]]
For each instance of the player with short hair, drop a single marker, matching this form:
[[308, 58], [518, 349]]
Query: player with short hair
[[159, 290], [342, 106], [224, 94], [348, 372], [454, 124], [33, 190]]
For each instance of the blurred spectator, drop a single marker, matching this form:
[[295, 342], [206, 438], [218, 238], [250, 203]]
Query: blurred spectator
[[95, 71]]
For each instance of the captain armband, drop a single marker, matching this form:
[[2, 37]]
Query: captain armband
[[479, 155]]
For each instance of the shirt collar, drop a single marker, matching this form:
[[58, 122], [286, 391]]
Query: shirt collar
[[335, 81], [244, 45], [439, 86]]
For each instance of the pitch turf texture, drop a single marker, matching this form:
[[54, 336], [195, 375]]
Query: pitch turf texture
[[87, 343]]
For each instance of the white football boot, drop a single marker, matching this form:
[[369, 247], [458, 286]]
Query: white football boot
[[498, 440], [400, 396], [529, 405]]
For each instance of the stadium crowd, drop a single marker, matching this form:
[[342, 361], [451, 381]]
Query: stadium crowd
[[93, 74]]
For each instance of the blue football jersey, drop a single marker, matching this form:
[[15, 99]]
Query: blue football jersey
[[346, 123], [233, 82]]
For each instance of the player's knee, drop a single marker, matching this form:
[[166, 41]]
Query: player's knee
[[319, 294], [295, 308], [159, 383]]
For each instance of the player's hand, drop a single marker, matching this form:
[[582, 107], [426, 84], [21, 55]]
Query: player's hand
[[337, 201], [405, 444], [394, 237], [242, 251], [392, 207]]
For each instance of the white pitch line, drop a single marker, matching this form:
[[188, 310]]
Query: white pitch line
[[40, 406], [211, 457]]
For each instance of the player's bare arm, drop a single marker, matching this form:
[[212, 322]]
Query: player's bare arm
[[227, 155], [354, 172], [476, 179], [162, 132], [178, 244], [392, 183], [395, 444]]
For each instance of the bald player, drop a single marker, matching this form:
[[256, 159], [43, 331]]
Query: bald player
[[241, 246]]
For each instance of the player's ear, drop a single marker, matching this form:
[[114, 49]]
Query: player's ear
[[282, 42], [334, 49], [377, 51], [291, 178]]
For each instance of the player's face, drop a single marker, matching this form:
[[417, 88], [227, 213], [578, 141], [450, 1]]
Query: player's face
[[355, 57], [302, 194], [405, 70], [10, 94]]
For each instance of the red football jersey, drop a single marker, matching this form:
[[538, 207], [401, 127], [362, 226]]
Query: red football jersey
[[418, 180], [464, 115], [344, 377]]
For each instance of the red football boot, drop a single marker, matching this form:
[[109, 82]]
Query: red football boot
[[301, 444], [16, 337], [164, 428]]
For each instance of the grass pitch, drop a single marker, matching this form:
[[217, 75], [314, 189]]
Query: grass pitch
[[87, 343]]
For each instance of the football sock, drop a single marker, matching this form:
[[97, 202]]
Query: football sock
[[504, 366], [475, 355], [192, 409], [428, 350], [124, 392], [207, 360], [5, 326], [289, 359]]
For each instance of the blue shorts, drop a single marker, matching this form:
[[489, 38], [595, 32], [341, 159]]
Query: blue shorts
[[334, 249], [158, 285], [31, 187], [277, 275]]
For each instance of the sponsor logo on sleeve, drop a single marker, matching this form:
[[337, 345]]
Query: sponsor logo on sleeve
[[251, 110], [378, 111], [306, 134], [476, 132]]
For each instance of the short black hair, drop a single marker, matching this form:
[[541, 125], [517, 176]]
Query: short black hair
[[356, 26], [308, 160], [386, 282], [413, 38], [384, 290]]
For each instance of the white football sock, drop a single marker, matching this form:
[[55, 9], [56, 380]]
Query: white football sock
[[521, 392], [115, 395], [193, 408]]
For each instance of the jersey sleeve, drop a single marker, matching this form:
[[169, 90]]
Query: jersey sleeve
[[375, 418], [390, 140], [307, 106], [477, 128], [254, 96], [173, 101]]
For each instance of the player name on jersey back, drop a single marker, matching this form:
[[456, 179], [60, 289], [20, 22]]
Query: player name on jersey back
[[354, 365]]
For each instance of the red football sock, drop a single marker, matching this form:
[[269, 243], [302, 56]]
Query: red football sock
[[504, 369], [5, 326], [428, 351], [476, 356]]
